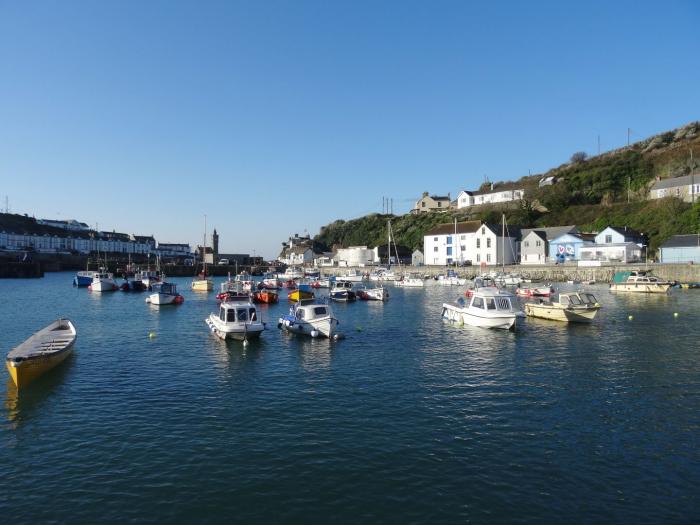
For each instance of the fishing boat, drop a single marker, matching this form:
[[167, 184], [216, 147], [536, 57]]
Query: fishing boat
[[291, 273], [383, 274], [83, 278], [201, 283], [270, 283], [487, 307], [573, 307], [164, 293], [641, 281], [375, 293], [132, 284], [412, 280], [451, 279], [246, 281], [148, 277], [690, 286], [303, 291], [41, 352], [354, 276], [232, 290], [103, 281], [342, 291], [310, 318], [237, 319], [266, 296]]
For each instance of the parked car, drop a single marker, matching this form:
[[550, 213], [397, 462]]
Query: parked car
[[223, 261]]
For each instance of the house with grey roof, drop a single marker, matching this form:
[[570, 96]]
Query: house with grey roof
[[428, 203], [680, 249], [686, 188], [507, 192], [534, 246]]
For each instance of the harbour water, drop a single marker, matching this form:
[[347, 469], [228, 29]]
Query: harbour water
[[408, 419]]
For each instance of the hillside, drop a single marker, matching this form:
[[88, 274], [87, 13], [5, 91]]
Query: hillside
[[610, 188]]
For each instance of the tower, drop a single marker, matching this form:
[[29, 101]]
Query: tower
[[215, 244]]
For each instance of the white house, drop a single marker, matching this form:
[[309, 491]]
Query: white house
[[465, 199], [355, 256], [470, 242], [499, 195], [686, 188], [680, 249], [417, 258], [620, 234], [298, 255]]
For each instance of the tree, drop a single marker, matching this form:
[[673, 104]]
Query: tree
[[579, 156]]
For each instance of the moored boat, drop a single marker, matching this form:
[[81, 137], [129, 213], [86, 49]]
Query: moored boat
[[410, 281], [303, 291], [237, 319], [487, 307], [83, 278], [103, 281], [266, 296], [342, 291], [41, 352], [378, 293], [641, 281], [164, 293], [534, 291], [310, 318], [576, 307]]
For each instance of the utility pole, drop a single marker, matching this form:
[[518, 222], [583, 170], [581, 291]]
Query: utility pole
[[599, 143], [628, 136], [629, 181]]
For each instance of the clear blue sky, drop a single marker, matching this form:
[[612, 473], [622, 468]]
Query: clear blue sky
[[275, 117]]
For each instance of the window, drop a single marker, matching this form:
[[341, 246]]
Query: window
[[435, 249], [483, 231], [488, 257], [449, 239], [230, 316], [242, 315], [488, 242], [439, 204], [526, 244], [435, 239], [253, 315], [449, 250], [320, 310], [422, 204], [462, 237], [490, 304], [478, 257], [222, 314], [608, 239], [477, 302], [300, 314], [478, 243], [463, 248], [538, 243]]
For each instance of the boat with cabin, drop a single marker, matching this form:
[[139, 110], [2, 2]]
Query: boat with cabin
[[570, 307], [164, 293], [411, 280], [372, 293], [640, 281], [237, 319], [303, 291], [43, 351], [83, 278], [201, 282], [103, 281], [266, 296], [310, 317], [342, 291], [488, 307]]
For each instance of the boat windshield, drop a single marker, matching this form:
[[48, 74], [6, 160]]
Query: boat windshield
[[320, 310], [503, 303], [477, 302], [590, 298], [490, 303], [574, 299], [242, 315]]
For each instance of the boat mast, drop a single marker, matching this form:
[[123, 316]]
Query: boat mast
[[503, 244], [388, 244], [455, 245], [204, 250]]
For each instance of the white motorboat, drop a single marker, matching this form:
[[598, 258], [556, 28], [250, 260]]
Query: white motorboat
[[342, 291], [639, 282], [164, 293], [291, 273], [103, 281], [237, 319], [377, 293], [487, 307], [310, 318], [148, 277], [451, 279], [41, 352], [410, 281], [383, 274], [353, 276], [577, 307]]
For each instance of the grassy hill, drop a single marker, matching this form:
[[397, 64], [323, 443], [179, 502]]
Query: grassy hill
[[611, 188]]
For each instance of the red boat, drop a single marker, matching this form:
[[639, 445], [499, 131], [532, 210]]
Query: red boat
[[232, 296], [290, 284], [266, 296], [534, 292]]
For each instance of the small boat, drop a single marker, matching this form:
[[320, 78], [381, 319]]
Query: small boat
[[202, 283], [410, 281], [83, 278], [488, 308], [164, 293], [480, 282], [266, 296], [312, 274], [132, 284], [41, 352], [353, 276], [246, 281], [378, 293], [507, 279], [302, 292], [310, 318], [323, 283], [237, 319], [148, 277], [383, 274], [342, 291], [290, 274], [690, 286], [534, 292], [232, 290], [451, 279], [103, 281], [289, 284], [576, 307], [270, 283], [639, 282]]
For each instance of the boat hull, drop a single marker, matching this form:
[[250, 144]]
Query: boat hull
[[161, 299], [295, 295], [465, 316], [556, 313], [103, 286], [239, 332], [202, 285], [30, 369], [641, 287], [325, 327]]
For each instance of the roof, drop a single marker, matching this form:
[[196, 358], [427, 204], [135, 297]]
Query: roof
[[541, 234], [551, 232], [682, 241], [505, 186], [449, 228], [624, 231], [439, 197], [686, 180], [588, 237], [511, 231]]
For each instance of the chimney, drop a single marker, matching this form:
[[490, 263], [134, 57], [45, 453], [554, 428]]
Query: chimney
[[492, 186], [425, 194], [448, 197]]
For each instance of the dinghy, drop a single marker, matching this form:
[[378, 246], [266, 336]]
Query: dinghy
[[41, 352]]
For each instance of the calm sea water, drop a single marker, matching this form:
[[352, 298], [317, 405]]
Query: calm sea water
[[406, 420]]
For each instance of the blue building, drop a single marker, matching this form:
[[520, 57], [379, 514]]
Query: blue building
[[680, 249], [567, 247]]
